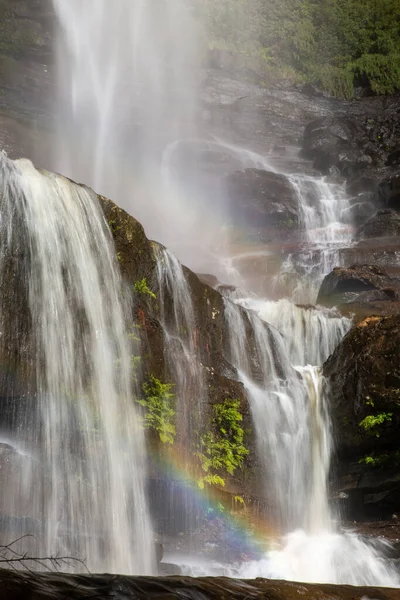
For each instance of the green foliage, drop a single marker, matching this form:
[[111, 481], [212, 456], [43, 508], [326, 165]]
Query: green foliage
[[222, 449], [335, 44], [159, 403], [387, 459], [372, 422], [15, 36], [142, 288]]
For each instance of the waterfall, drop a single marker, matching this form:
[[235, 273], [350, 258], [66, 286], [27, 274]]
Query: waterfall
[[79, 428], [323, 214], [310, 334], [186, 371], [180, 342], [129, 100], [135, 93], [290, 408], [282, 415]]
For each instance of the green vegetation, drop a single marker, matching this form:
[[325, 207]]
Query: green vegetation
[[371, 423], [336, 44], [387, 459], [15, 36], [222, 449], [142, 288], [159, 403]]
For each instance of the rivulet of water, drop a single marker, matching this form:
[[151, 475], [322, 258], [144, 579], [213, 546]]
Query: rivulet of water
[[87, 490], [181, 343]]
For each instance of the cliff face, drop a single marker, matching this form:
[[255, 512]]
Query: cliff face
[[365, 391], [210, 379]]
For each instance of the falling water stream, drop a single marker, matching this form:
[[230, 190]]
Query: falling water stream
[[85, 469]]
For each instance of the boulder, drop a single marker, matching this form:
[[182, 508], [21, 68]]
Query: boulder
[[385, 223], [364, 379], [358, 283], [263, 199]]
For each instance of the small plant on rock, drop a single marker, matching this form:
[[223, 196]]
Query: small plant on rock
[[142, 288], [159, 402], [222, 449]]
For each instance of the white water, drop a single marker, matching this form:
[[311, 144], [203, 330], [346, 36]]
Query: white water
[[323, 212], [128, 88], [311, 334], [87, 489], [181, 343], [291, 419]]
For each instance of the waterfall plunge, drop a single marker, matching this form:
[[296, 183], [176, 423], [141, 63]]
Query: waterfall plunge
[[82, 430], [291, 419]]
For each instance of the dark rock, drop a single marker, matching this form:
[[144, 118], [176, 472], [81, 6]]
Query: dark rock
[[364, 377], [329, 142], [264, 199], [362, 283], [29, 585], [394, 158], [388, 193], [385, 223], [138, 260]]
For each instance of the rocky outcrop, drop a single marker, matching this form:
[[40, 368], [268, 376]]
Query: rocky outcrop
[[385, 223], [138, 261], [356, 284], [265, 200], [355, 142], [15, 585], [364, 378], [331, 142]]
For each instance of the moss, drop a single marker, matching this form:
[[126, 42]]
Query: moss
[[142, 288]]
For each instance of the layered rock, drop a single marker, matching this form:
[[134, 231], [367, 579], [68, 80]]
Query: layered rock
[[330, 142], [358, 283], [265, 200], [364, 378], [385, 223]]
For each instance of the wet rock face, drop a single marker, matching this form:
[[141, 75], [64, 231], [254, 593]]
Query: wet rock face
[[364, 377], [385, 223], [138, 260], [263, 199], [358, 283], [330, 142], [15, 585], [388, 192], [363, 147]]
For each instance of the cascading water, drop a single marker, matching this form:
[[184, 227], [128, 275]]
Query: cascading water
[[323, 212], [180, 341], [86, 490], [310, 334], [181, 356], [291, 419], [128, 103]]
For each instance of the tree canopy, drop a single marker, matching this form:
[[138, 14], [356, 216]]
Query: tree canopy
[[336, 44]]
